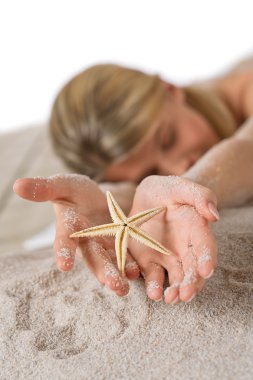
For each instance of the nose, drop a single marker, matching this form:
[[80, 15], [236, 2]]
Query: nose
[[167, 166]]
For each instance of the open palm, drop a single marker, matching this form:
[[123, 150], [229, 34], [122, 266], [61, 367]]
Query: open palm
[[78, 204], [183, 228]]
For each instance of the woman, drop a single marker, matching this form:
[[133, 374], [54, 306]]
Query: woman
[[189, 149]]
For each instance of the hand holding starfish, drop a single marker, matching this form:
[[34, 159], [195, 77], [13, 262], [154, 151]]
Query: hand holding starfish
[[183, 229], [123, 228], [78, 202]]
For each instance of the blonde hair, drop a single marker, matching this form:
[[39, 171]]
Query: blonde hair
[[104, 113], [213, 106]]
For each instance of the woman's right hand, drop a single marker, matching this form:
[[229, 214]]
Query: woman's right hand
[[79, 203]]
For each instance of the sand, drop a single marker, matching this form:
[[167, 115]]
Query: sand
[[67, 325], [56, 325]]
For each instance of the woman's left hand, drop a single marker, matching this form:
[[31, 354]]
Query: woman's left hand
[[182, 228]]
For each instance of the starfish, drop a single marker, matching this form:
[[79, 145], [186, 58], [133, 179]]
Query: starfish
[[123, 227]]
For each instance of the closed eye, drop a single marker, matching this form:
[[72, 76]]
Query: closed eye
[[170, 141]]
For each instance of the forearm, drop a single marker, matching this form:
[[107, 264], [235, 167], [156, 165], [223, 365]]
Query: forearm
[[123, 192], [227, 169]]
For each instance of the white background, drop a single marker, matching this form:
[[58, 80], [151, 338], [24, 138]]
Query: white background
[[43, 44]]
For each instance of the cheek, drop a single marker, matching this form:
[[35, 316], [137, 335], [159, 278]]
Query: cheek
[[208, 137], [190, 135], [197, 135]]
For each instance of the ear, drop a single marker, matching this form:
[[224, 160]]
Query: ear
[[176, 91]]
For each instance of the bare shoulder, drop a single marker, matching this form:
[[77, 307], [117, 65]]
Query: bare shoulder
[[243, 68], [244, 72], [236, 86], [244, 65], [245, 132]]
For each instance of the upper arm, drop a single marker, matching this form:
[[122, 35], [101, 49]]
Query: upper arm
[[243, 65], [246, 129], [245, 132], [247, 99]]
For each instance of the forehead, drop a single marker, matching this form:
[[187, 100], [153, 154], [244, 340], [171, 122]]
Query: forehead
[[140, 158], [130, 167]]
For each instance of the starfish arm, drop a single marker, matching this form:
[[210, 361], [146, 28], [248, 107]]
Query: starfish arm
[[102, 230], [121, 248], [116, 212], [144, 216], [141, 236]]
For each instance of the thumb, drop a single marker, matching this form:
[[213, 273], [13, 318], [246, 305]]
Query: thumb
[[201, 197], [171, 190], [206, 204], [35, 189], [69, 187]]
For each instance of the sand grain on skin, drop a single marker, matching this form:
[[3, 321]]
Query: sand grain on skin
[[55, 322]]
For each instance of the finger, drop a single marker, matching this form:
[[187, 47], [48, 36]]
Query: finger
[[189, 286], [132, 270], [172, 293], [34, 189], [64, 249], [183, 191], [202, 198], [174, 267], [205, 249], [67, 221], [182, 272], [200, 285], [99, 262], [70, 187], [154, 280]]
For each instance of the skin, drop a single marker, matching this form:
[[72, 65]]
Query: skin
[[182, 136], [166, 155], [194, 156], [183, 228], [79, 203], [194, 134], [185, 156]]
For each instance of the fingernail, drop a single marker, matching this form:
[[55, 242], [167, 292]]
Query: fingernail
[[117, 284], [169, 288], [191, 297], [213, 210], [14, 184], [160, 299], [209, 275]]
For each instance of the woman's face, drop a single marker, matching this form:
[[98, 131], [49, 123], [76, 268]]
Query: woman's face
[[177, 140]]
